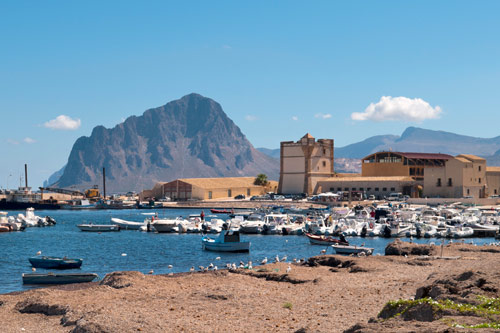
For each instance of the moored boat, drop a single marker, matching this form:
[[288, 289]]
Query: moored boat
[[55, 262], [352, 249], [325, 240], [98, 227], [58, 278], [227, 241], [127, 225]]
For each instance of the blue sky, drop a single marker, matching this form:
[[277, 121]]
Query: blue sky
[[278, 68]]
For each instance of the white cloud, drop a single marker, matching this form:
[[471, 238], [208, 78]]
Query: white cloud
[[28, 140], [63, 122], [250, 117], [12, 142], [323, 115], [398, 109], [295, 118]]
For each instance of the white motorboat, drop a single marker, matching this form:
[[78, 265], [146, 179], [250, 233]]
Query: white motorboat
[[128, 225], [227, 241], [166, 225], [98, 227], [352, 249]]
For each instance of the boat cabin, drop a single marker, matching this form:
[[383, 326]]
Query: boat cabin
[[231, 236]]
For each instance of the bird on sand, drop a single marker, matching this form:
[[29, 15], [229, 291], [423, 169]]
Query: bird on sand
[[264, 261], [210, 266], [191, 269], [288, 269], [284, 258], [277, 259], [170, 266], [201, 268], [233, 266], [215, 268], [151, 272]]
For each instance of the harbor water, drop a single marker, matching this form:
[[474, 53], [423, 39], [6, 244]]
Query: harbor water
[[128, 250]]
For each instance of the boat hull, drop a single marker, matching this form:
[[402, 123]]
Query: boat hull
[[127, 225], [98, 227], [55, 263], [210, 245], [322, 240], [61, 278], [348, 249]]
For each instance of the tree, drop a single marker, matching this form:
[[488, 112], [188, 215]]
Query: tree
[[261, 179]]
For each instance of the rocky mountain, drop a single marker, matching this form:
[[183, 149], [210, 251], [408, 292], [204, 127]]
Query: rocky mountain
[[189, 137]]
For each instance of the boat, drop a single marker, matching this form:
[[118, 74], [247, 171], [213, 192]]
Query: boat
[[98, 227], [324, 240], [127, 225], [166, 225], [221, 211], [58, 278], [352, 249], [55, 262], [227, 241]]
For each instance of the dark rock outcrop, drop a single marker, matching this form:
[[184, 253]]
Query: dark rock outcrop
[[189, 137], [119, 280], [400, 248]]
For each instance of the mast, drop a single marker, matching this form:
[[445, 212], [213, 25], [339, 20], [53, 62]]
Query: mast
[[104, 182]]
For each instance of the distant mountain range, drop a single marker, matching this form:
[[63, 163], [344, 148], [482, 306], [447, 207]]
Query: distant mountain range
[[413, 139], [188, 138]]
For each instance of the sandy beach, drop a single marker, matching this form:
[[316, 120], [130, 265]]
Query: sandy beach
[[325, 294]]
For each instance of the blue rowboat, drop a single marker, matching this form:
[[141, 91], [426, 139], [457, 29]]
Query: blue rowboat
[[227, 241], [58, 278], [55, 262]]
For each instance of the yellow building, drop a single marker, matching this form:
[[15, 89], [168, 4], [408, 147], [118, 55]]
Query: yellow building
[[388, 163], [464, 175], [208, 188], [304, 163], [493, 180]]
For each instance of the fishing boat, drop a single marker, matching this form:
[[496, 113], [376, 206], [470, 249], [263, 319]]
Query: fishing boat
[[128, 225], [55, 262], [227, 241], [325, 240], [58, 278], [352, 249], [98, 227]]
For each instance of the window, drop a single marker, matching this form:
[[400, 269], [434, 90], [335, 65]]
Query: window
[[210, 194], [248, 191], [468, 191], [361, 189], [324, 151], [496, 191], [332, 189], [324, 164], [354, 189], [376, 189], [393, 189], [438, 182], [368, 188], [346, 189], [384, 189], [479, 168], [229, 194], [479, 180], [449, 182], [339, 189]]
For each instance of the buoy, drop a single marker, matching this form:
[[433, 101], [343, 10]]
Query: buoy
[[124, 254], [38, 253]]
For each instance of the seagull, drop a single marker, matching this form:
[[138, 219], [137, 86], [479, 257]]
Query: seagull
[[124, 254], [286, 240], [151, 272], [241, 266], [233, 266], [191, 269], [284, 258], [323, 251], [215, 268], [249, 265], [264, 261], [228, 265], [218, 258], [242, 263], [210, 266], [288, 269], [277, 259], [39, 253], [201, 268], [170, 266], [294, 259]]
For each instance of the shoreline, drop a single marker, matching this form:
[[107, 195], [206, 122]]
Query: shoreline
[[329, 293]]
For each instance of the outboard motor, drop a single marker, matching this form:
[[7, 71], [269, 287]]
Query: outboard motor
[[50, 220], [363, 231], [265, 229], [204, 228], [387, 231], [419, 232]]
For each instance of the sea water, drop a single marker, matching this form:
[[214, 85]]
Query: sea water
[[130, 250]]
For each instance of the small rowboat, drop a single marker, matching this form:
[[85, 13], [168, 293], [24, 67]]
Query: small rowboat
[[55, 262], [324, 240], [352, 249], [57, 278], [98, 227], [220, 211]]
